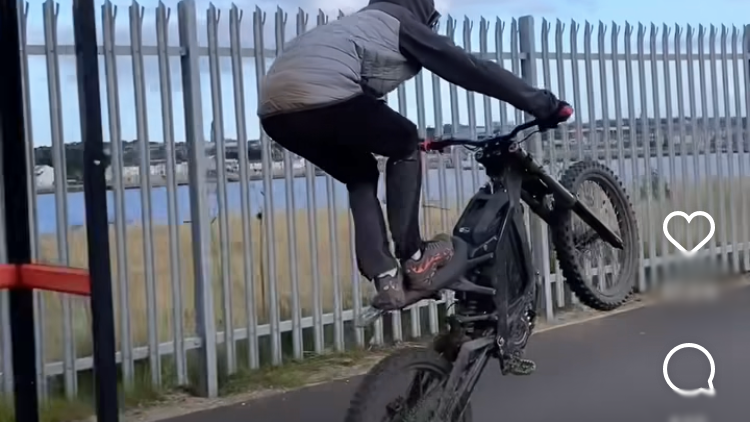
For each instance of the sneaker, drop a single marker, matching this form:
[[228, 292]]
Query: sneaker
[[390, 294], [435, 254]]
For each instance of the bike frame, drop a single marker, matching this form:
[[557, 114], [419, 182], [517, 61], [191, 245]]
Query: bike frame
[[493, 217]]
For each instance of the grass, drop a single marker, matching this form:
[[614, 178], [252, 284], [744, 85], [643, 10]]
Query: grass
[[292, 374], [53, 410], [58, 408], [297, 373], [237, 255], [708, 197]]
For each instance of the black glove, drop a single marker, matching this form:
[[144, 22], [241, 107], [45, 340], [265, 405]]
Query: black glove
[[562, 113], [544, 105]]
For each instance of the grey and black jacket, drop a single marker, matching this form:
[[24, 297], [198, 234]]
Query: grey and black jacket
[[376, 49]]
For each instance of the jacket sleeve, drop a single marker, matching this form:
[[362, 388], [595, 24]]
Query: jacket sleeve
[[441, 56]]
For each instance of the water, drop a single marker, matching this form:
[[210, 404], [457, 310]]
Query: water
[[46, 206]]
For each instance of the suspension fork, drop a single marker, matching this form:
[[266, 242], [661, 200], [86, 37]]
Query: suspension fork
[[464, 375], [564, 199]]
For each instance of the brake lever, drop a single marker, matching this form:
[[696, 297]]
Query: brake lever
[[547, 127]]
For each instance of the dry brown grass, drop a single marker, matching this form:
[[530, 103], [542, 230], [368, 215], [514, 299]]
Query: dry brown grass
[[690, 198], [238, 253], [136, 282]]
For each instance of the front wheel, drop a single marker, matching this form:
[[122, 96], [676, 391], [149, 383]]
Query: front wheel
[[430, 372], [605, 282]]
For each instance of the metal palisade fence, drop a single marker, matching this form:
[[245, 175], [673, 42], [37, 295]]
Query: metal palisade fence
[[222, 263]]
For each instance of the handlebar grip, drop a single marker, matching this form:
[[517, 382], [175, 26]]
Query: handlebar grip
[[427, 145], [565, 112]]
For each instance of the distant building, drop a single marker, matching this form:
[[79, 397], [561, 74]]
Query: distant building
[[45, 176], [129, 174]]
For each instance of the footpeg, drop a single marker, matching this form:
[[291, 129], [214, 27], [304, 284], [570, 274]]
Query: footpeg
[[514, 365], [368, 317]]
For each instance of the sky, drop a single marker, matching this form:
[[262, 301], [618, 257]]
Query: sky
[[60, 110]]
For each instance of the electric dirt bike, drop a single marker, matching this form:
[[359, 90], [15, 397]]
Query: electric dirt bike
[[495, 284]]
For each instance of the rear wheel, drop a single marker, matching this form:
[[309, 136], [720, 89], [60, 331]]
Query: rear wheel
[[601, 276], [418, 403]]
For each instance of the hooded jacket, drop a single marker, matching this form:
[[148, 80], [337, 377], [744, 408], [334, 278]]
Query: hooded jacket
[[376, 49]]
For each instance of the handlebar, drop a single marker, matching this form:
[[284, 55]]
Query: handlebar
[[563, 114]]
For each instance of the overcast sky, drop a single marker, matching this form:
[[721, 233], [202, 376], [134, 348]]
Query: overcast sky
[[671, 12]]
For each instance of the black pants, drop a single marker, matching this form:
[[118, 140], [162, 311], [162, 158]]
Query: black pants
[[341, 139]]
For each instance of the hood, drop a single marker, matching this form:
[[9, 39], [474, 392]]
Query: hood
[[424, 10]]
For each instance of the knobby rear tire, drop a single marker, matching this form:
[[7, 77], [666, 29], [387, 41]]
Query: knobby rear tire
[[378, 381], [562, 238]]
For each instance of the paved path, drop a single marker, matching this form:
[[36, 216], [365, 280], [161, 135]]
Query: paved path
[[606, 370]]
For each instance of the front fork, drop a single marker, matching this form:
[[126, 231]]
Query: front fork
[[564, 199], [469, 364]]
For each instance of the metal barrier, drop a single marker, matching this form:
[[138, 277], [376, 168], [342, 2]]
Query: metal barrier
[[231, 263]]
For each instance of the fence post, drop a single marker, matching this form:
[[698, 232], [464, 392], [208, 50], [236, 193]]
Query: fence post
[[18, 303], [95, 206], [538, 230], [200, 229], [746, 125]]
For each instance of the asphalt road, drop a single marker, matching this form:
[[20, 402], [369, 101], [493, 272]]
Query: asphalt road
[[606, 370]]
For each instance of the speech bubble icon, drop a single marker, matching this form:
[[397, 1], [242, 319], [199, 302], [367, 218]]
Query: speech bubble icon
[[689, 218], [710, 391]]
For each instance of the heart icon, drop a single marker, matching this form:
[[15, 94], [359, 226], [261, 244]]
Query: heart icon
[[689, 218]]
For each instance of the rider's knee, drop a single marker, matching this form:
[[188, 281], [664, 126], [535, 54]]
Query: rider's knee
[[404, 144], [407, 152]]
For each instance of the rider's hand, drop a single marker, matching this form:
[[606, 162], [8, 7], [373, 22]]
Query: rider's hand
[[546, 106], [562, 113]]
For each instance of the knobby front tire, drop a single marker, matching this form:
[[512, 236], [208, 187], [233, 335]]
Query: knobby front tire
[[562, 237], [367, 404]]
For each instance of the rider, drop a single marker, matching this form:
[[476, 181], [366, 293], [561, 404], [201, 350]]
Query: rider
[[323, 99]]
